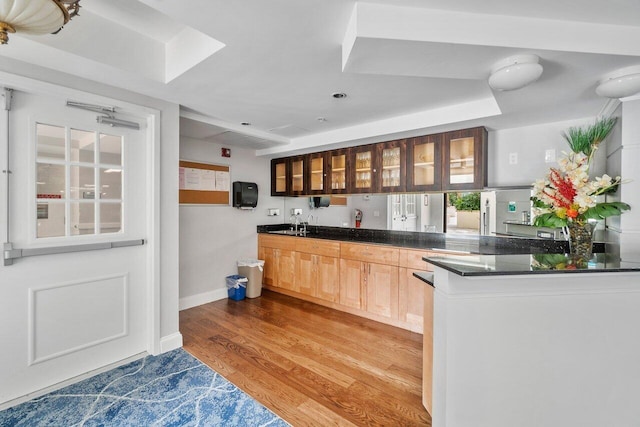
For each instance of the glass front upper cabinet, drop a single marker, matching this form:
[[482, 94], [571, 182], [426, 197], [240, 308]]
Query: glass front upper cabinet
[[465, 160], [424, 166], [337, 172], [317, 174], [362, 175], [392, 164], [297, 175], [279, 177]]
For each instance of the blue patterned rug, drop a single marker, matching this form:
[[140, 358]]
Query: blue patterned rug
[[172, 389]]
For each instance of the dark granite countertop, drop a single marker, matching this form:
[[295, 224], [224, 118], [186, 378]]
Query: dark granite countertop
[[472, 244], [549, 263]]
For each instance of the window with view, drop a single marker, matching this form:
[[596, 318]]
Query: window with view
[[79, 181]]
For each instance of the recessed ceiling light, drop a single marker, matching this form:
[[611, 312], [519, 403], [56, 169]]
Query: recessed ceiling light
[[339, 95], [245, 124]]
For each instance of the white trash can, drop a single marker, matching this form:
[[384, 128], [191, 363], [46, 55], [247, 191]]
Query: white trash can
[[252, 270]]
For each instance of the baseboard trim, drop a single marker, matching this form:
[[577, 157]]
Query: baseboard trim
[[204, 298], [170, 342]]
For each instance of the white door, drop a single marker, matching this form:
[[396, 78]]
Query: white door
[[403, 208], [73, 182]]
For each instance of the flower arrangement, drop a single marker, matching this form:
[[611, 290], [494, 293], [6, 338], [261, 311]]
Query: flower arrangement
[[567, 196]]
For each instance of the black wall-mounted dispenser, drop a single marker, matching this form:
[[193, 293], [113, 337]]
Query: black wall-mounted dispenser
[[320, 202], [245, 195]]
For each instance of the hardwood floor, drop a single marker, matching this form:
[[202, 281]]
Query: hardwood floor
[[311, 365]]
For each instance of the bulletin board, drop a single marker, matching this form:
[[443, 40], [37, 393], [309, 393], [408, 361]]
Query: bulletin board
[[204, 183]]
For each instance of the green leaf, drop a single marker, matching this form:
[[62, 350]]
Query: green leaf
[[537, 203], [605, 210], [549, 220]]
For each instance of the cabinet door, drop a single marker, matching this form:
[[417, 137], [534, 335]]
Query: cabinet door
[[352, 283], [382, 290], [270, 265], [465, 161], [328, 278], [337, 172], [280, 177], [317, 173], [286, 269], [297, 184], [424, 163], [362, 173], [391, 162], [411, 298], [306, 273]]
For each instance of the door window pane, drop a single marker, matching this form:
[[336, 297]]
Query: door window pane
[[82, 218], [110, 149], [50, 141], [110, 183], [50, 181], [110, 217], [82, 182], [51, 220], [83, 145]]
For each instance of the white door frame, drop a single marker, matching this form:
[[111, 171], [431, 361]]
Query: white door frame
[[152, 117]]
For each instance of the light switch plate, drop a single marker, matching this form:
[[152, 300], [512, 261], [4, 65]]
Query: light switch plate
[[296, 211], [273, 212]]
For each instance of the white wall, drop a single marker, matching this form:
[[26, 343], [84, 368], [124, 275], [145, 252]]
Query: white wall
[[214, 238], [623, 158], [529, 144]]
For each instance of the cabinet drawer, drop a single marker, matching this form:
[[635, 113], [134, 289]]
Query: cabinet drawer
[[278, 242], [318, 247], [369, 253]]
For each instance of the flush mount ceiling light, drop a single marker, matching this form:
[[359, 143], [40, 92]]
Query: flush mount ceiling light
[[339, 95], [35, 16], [515, 72], [620, 84]]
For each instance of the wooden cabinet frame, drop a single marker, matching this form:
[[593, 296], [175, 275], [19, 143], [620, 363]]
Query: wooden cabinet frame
[[378, 173]]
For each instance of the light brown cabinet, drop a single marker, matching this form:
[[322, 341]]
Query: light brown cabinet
[[369, 278], [317, 273], [372, 281], [279, 259]]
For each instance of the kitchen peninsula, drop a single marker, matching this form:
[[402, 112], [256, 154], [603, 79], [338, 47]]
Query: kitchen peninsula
[[522, 340]]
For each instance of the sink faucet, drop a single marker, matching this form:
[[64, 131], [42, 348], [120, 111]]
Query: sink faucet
[[295, 221], [304, 224]]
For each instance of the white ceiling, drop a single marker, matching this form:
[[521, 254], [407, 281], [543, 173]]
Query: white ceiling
[[408, 67]]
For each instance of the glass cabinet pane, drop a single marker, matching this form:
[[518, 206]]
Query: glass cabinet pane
[[297, 174], [281, 177], [424, 164], [338, 172], [461, 161], [391, 167], [363, 169], [317, 174]]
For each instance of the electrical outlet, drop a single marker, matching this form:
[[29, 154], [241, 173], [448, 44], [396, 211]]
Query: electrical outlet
[[376, 213], [296, 211], [550, 156], [273, 212], [513, 158]]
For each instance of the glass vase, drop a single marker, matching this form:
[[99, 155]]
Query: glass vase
[[581, 239]]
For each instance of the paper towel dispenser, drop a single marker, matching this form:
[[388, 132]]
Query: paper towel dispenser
[[245, 195], [320, 202]]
